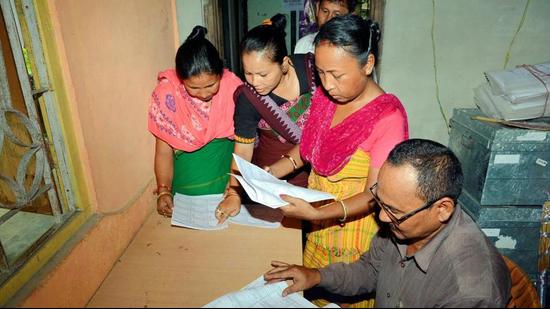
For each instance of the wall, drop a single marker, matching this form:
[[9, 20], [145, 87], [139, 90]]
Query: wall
[[109, 54], [114, 51], [470, 36], [190, 14], [206, 13], [259, 10]]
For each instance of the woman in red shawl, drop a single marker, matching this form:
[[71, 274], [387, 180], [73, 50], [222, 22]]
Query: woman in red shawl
[[352, 127]]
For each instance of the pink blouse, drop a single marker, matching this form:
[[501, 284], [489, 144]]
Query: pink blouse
[[387, 133]]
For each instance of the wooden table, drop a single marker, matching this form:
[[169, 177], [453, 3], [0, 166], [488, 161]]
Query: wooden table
[[167, 266]]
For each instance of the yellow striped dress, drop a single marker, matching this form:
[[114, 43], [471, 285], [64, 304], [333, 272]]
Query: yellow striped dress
[[329, 242]]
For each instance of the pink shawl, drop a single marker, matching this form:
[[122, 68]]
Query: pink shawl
[[330, 149], [177, 119]]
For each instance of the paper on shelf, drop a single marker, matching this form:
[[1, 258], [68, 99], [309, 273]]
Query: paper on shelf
[[261, 295], [258, 216], [197, 212], [258, 294]]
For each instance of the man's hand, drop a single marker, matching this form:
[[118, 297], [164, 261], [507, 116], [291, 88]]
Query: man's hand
[[302, 277], [298, 208]]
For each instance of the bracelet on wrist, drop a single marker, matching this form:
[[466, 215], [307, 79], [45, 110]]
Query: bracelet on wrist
[[343, 219], [164, 193], [160, 186], [229, 192], [227, 196], [294, 164]]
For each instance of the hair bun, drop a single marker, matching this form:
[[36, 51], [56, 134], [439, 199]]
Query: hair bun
[[374, 28], [198, 33], [279, 22]]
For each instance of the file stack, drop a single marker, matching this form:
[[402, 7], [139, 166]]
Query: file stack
[[516, 94]]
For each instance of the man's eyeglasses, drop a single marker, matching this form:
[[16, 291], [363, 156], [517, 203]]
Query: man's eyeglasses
[[388, 211]]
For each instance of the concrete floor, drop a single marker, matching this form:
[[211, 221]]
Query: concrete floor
[[167, 266]]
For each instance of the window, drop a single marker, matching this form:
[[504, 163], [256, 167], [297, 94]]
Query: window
[[36, 195]]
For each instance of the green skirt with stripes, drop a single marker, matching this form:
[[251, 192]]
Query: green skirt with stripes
[[204, 171]]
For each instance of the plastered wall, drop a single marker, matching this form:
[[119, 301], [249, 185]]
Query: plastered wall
[[114, 50], [470, 37]]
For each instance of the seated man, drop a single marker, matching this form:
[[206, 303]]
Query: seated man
[[435, 254]]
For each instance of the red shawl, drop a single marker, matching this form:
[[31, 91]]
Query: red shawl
[[330, 149]]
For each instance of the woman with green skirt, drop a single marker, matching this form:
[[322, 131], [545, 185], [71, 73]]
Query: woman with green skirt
[[191, 117]]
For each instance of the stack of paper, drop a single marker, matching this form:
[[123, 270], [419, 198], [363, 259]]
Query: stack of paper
[[516, 94], [264, 188], [498, 107], [521, 84], [198, 212]]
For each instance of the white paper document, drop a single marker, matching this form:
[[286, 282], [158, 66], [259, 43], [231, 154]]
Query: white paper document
[[260, 295], [264, 188], [198, 212], [259, 216]]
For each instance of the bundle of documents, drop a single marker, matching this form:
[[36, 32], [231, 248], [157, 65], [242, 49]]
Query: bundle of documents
[[197, 212], [516, 94], [258, 294], [264, 188]]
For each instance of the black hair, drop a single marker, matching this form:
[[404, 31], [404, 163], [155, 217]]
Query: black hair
[[197, 55], [439, 170], [268, 38], [349, 3], [354, 34]]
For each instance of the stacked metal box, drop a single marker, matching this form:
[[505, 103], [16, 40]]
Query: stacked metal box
[[507, 180]]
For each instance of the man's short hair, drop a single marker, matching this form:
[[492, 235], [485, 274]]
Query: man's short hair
[[439, 170]]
